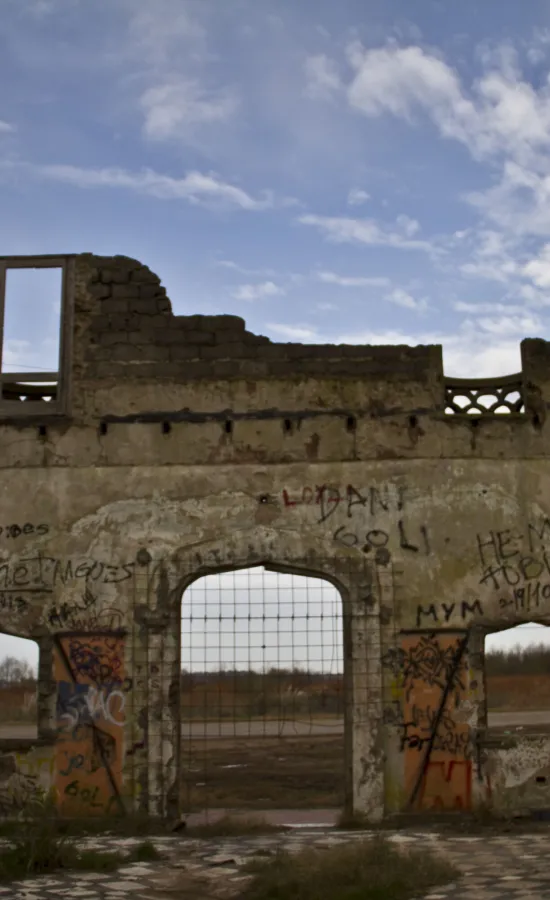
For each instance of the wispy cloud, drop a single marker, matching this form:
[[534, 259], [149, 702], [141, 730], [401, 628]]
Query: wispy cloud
[[501, 117], [402, 298], [244, 270], [501, 114], [322, 78], [507, 325], [257, 291], [6, 127], [357, 197], [180, 95], [353, 281], [176, 108], [195, 187], [156, 31], [479, 309], [295, 332], [538, 269], [341, 230]]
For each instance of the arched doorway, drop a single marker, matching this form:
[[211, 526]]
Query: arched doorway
[[261, 694]]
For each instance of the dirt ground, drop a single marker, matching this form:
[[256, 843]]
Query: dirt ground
[[264, 773]]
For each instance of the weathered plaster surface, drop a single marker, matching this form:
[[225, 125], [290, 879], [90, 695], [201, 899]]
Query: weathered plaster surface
[[193, 446]]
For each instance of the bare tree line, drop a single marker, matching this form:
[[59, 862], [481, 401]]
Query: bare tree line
[[533, 659], [16, 672]]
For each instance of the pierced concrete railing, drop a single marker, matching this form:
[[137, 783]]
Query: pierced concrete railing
[[484, 396]]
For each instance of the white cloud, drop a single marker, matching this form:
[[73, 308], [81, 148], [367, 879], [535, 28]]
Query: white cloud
[[169, 48], [322, 78], [175, 109], [340, 230], [408, 226], [257, 291], [401, 80], [406, 300], [538, 269], [479, 309], [501, 117], [538, 46], [520, 326], [357, 197], [295, 332], [6, 127], [353, 281], [502, 113], [195, 187], [157, 30], [533, 296], [492, 271], [243, 270], [327, 307], [477, 356], [491, 255], [518, 203]]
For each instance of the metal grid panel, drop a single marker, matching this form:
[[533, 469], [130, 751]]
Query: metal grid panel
[[262, 692]]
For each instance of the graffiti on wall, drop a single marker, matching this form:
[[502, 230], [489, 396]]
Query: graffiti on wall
[[25, 778], [361, 508], [430, 677], [517, 565], [92, 704], [22, 578]]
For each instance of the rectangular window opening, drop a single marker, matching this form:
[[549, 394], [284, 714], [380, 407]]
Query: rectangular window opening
[[32, 309]]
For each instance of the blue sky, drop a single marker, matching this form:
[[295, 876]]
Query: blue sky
[[364, 171], [355, 171]]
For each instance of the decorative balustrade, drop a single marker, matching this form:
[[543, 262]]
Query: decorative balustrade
[[485, 397]]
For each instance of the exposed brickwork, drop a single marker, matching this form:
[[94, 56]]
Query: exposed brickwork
[[133, 333]]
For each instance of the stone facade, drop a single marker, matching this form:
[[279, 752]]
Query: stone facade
[[186, 445]]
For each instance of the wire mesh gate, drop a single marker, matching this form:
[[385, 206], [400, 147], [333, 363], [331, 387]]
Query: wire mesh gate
[[262, 693]]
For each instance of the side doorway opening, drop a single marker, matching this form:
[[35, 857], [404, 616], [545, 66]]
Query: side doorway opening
[[517, 712], [262, 696], [517, 679]]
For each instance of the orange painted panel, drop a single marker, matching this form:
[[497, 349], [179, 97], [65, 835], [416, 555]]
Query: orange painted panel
[[92, 697], [428, 668]]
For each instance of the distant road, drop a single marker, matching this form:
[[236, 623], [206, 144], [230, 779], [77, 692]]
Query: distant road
[[261, 728], [520, 719], [530, 720]]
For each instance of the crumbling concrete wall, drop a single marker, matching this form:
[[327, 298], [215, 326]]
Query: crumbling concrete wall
[[191, 446]]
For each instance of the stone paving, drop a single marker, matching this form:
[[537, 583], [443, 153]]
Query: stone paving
[[513, 867]]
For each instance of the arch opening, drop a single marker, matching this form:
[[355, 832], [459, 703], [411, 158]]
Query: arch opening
[[19, 659], [261, 694]]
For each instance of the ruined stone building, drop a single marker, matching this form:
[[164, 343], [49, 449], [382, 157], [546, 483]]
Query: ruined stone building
[[169, 447]]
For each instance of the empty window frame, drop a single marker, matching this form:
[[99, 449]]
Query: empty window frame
[[35, 311]]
